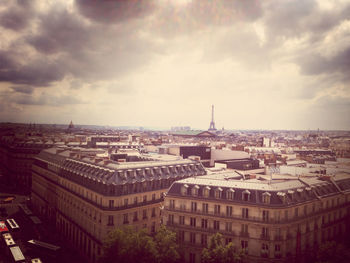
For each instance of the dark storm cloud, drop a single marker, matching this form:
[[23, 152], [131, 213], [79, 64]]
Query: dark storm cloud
[[67, 46], [225, 11], [23, 89], [17, 16], [44, 99], [61, 31], [39, 72], [114, 11], [295, 18], [315, 64]]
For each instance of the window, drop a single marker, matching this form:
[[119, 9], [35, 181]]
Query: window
[[172, 204], [265, 232], [265, 215], [204, 223], [153, 212], [153, 227], [228, 210], [111, 203], [135, 200], [193, 206], [153, 197], [193, 221], [135, 216], [192, 258], [110, 221], [230, 194], [245, 212], [195, 190], [171, 219], [228, 226], [125, 219], [264, 250], [244, 230], [245, 195], [218, 192], [126, 201], [217, 209], [286, 214], [244, 245], [192, 238], [181, 220], [144, 214], [206, 191], [205, 208], [216, 225], [277, 247], [266, 197], [181, 236], [184, 189], [204, 240], [296, 212], [145, 198]]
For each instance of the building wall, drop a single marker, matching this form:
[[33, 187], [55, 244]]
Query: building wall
[[84, 216], [290, 234]]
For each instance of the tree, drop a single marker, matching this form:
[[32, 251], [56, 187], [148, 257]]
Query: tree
[[166, 246], [125, 245], [217, 252]]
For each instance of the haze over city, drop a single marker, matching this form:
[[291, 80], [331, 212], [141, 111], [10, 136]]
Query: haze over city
[[263, 64]]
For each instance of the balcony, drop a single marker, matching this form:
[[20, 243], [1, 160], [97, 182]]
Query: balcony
[[264, 237], [278, 238]]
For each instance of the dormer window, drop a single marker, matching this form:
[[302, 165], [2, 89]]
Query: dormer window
[[291, 193], [230, 194], [282, 196], [218, 192], [195, 190], [206, 191], [184, 189], [300, 191], [245, 195], [308, 190], [266, 197]]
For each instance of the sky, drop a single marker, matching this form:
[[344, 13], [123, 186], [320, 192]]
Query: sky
[[273, 64]]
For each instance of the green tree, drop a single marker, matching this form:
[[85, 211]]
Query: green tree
[[166, 246], [125, 245], [217, 252]]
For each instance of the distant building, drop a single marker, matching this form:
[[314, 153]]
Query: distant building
[[241, 164], [194, 134]]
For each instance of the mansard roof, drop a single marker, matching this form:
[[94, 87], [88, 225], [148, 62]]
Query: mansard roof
[[280, 192]]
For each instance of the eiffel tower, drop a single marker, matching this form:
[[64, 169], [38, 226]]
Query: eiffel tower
[[212, 123]]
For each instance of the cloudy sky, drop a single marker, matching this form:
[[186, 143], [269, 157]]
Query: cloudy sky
[[263, 64]]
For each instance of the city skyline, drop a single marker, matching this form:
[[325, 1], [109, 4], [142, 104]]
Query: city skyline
[[263, 65]]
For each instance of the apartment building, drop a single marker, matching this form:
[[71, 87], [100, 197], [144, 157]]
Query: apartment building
[[87, 197], [271, 220]]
